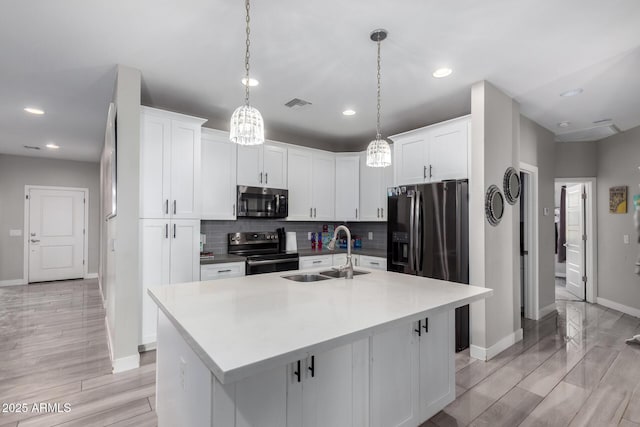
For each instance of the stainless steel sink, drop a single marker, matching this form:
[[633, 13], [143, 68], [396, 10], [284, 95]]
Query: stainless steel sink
[[306, 278], [336, 274]]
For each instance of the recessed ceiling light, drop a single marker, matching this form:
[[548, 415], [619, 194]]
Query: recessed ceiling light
[[572, 92], [252, 82], [52, 146], [348, 112], [33, 110], [564, 124], [442, 72]]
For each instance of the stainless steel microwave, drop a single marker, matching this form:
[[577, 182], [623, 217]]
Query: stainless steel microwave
[[259, 202]]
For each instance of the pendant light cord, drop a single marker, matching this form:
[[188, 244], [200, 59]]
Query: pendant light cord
[[378, 132], [246, 56]]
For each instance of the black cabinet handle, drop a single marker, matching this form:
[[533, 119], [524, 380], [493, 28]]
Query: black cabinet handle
[[426, 325], [424, 172], [419, 330], [174, 231], [174, 207], [166, 206], [225, 271], [430, 171], [297, 373], [312, 368], [166, 231]]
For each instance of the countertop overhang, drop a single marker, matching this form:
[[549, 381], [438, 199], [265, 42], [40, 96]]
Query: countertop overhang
[[243, 326]]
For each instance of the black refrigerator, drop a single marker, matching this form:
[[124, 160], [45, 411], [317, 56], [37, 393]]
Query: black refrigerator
[[428, 235]]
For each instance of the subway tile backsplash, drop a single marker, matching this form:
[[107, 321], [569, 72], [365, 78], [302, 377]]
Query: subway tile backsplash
[[217, 231]]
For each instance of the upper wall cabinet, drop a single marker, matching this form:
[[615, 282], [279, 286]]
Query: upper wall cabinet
[[433, 153], [347, 187], [312, 177], [169, 164], [262, 165], [218, 175], [373, 190]]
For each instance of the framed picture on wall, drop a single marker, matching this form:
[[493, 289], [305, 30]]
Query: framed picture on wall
[[618, 199]]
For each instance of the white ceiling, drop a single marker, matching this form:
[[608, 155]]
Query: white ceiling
[[61, 56]]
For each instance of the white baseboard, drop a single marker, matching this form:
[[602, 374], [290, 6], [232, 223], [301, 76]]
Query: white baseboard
[[546, 310], [489, 353], [13, 282], [91, 276], [631, 311], [126, 363], [109, 344]]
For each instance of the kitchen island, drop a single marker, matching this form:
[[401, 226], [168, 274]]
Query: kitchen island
[[265, 351]]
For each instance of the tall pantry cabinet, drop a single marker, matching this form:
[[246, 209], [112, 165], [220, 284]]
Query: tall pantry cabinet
[[170, 205]]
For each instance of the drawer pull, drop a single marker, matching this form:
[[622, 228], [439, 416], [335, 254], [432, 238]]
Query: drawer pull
[[225, 271], [374, 263], [317, 262]]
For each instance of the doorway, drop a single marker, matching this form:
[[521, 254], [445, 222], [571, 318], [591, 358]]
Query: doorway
[[529, 304], [55, 246], [575, 230]]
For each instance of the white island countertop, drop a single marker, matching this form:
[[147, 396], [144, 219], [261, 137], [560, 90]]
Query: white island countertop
[[243, 326]]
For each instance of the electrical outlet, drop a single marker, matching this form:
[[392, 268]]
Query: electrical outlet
[[309, 235], [183, 372], [370, 235], [625, 239]]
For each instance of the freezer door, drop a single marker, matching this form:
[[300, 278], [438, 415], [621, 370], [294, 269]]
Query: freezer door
[[401, 231]]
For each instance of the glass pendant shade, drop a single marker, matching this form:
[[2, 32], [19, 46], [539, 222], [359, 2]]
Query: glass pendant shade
[[378, 153], [247, 127]]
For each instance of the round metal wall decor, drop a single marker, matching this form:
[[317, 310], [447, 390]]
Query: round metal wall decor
[[512, 186], [494, 205]]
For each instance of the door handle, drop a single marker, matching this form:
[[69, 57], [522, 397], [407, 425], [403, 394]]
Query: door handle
[[297, 372], [174, 231], [315, 213], [356, 212], [266, 177], [310, 212], [174, 207], [419, 330], [234, 209], [34, 241], [381, 212], [166, 206], [426, 325], [378, 213], [424, 172], [166, 231], [312, 368], [430, 171], [260, 177]]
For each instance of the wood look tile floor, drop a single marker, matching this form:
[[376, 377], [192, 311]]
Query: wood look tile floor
[[572, 368], [53, 350]]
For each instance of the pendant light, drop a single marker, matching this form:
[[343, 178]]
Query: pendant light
[[247, 127], [378, 151]]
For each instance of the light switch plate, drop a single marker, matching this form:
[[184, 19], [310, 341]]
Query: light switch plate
[[309, 235], [625, 239], [545, 211], [15, 233], [371, 235]]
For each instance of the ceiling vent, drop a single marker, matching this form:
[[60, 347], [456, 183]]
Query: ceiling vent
[[31, 147], [589, 134], [297, 102]]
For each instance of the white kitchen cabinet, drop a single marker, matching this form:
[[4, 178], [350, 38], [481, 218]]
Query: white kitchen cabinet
[[433, 153], [169, 252], [262, 165], [347, 192], [437, 363], [413, 371], [311, 175], [261, 400], [315, 261], [218, 172], [341, 259], [222, 271], [394, 381], [373, 190], [330, 388], [170, 149], [373, 262]]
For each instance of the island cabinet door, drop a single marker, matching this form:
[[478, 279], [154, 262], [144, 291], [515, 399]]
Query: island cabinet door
[[260, 400], [394, 382], [333, 388], [437, 364]]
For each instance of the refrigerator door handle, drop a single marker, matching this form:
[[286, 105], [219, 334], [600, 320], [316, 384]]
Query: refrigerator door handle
[[419, 232], [411, 234]]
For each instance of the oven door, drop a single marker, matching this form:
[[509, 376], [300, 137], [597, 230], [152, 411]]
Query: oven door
[[257, 202], [271, 265]]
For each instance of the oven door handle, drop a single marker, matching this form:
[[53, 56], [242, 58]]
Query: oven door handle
[[271, 261]]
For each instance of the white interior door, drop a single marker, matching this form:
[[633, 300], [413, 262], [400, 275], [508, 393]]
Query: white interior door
[[575, 242], [56, 234]]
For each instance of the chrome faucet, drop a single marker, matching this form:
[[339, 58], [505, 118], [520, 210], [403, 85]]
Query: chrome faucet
[[348, 267]]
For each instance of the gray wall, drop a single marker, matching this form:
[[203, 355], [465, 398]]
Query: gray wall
[[495, 135], [216, 231], [18, 171], [575, 160], [537, 148], [120, 277], [618, 162]]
